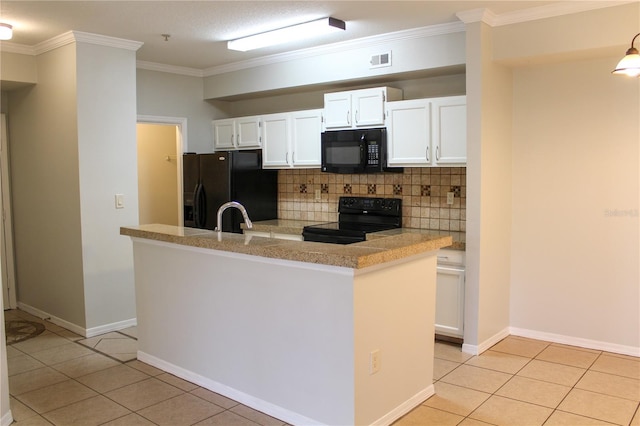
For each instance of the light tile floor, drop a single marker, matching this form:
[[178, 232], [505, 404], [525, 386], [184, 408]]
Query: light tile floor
[[61, 378]]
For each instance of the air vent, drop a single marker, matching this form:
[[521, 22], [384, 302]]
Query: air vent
[[381, 60]]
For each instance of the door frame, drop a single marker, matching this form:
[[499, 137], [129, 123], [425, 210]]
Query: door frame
[[181, 147], [8, 277]]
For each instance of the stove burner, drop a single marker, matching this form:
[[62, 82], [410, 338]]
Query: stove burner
[[356, 217]]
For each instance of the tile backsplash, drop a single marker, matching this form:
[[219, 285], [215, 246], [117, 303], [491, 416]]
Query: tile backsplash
[[308, 194]]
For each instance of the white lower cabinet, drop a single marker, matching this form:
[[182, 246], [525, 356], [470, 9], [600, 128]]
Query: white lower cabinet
[[450, 293]]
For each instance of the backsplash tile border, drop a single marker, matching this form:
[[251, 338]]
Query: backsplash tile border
[[423, 192]]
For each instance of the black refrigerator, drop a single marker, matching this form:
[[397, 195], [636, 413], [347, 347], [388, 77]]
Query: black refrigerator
[[210, 180]]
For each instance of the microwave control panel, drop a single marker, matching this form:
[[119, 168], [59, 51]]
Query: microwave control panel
[[373, 150]]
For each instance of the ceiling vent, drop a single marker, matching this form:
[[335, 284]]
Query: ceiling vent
[[380, 60]]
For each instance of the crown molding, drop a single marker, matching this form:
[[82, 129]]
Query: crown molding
[[102, 40], [22, 49], [172, 69], [478, 15], [79, 36], [448, 28], [535, 13]]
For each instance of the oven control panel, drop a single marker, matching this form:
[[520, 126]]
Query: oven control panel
[[370, 205]]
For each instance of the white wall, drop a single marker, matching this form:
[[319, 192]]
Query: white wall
[[5, 408], [488, 234], [576, 180], [171, 95], [46, 189], [575, 202], [409, 54], [107, 150]]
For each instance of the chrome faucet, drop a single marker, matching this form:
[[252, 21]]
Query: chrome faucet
[[238, 206]]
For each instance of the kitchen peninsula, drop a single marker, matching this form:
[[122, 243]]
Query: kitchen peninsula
[[310, 333]]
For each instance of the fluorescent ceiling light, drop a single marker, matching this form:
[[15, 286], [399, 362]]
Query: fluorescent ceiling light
[[6, 31], [283, 35]]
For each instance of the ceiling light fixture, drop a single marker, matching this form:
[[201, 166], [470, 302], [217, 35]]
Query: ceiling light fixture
[[282, 35], [630, 64], [6, 31]]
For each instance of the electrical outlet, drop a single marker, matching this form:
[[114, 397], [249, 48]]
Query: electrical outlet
[[317, 194], [450, 197], [374, 361]]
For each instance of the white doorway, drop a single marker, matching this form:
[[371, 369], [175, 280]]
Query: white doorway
[[161, 142], [7, 266]]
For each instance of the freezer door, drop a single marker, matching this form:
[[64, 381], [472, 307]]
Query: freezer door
[[190, 182], [215, 180]]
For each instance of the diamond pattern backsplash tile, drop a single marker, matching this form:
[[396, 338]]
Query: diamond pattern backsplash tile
[[423, 192]]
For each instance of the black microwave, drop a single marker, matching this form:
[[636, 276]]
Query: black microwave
[[355, 151]]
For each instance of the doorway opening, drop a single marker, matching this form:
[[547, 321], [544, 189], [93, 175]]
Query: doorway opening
[[160, 142]]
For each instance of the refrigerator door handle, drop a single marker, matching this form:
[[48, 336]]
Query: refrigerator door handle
[[199, 206]]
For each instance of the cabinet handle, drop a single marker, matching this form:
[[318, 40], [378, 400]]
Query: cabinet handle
[[428, 159], [357, 116], [232, 139], [348, 117], [286, 158], [443, 257], [437, 153], [293, 157]]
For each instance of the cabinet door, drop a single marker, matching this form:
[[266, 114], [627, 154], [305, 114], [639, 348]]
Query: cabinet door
[[275, 141], [337, 110], [223, 134], [248, 132], [449, 125], [408, 133], [449, 301], [306, 127], [368, 107]]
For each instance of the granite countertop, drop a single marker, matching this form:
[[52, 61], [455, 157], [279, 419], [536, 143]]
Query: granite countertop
[[358, 255], [288, 226]]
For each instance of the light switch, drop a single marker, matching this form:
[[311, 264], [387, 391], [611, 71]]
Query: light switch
[[119, 201]]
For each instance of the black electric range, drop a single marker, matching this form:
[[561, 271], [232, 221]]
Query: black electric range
[[356, 217]]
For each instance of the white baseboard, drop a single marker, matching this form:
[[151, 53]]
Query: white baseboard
[[86, 332], [483, 346], [276, 411], [7, 419], [576, 341], [114, 326], [406, 406]]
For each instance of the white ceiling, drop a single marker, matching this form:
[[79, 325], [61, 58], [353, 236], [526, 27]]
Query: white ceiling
[[199, 29]]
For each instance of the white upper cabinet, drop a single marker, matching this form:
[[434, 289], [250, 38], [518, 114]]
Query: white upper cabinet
[[427, 132], [291, 139], [276, 136], [358, 108], [409, 133], [305, 137], [236, 133], [449, 130]]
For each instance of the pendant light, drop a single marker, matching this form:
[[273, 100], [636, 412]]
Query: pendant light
[[630, 64], [6, 31]]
